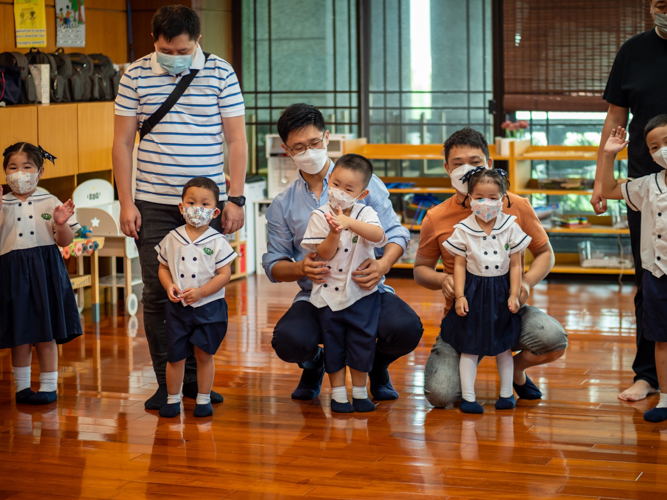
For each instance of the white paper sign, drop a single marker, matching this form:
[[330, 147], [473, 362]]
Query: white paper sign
[[70, 23], [40, 74]]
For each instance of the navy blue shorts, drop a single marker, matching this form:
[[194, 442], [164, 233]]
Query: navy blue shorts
[[655, 307], [204, 327], [349, 335]]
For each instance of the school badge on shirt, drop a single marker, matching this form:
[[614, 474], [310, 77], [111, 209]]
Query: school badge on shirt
[[208, 251], [47, 216]]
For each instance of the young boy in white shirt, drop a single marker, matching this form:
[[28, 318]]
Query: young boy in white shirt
[[194, 269], [647, 195], [345, 233]]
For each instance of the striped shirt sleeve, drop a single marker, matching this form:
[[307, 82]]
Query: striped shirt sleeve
[[127, 101], [224, 254], [230, 99], [316, 232]]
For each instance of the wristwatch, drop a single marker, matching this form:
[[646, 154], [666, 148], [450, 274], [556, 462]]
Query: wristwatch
[[237, 200]]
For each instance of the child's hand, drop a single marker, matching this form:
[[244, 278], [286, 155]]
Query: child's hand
[[62, 213], [342, 221], [462, 306], [191, 295], [513, 304], [333, 223], [174, 293], [616, 142]]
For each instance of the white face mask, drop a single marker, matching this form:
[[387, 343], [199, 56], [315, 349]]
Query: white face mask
[[660, 157], [486, 209], [456, 175], [340, 199], [198, 216], [661, 22], [311, 161], [22, 182]]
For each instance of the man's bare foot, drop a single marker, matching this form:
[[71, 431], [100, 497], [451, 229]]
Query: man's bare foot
[[638, 391]]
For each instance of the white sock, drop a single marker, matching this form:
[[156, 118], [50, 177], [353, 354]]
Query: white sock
[[505, 364], [203, 399], [21, 377], [663, 400], [174, 398], [359, 392], [468, 372], [48, 382], [339, 394]]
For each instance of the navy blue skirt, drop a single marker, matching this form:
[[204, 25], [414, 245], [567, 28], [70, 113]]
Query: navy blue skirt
[[489, 328], [37, 302]]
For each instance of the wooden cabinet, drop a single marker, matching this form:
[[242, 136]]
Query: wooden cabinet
[[95, 133], [57, 134], [17, 123]]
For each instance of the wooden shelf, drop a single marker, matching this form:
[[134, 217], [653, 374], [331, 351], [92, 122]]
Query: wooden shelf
[[575, 269], [411, 265], [587, 230], [423, 190], [563, 153], [402, 151], [554, 192]]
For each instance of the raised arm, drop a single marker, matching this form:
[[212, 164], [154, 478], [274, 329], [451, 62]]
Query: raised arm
[[617, 116], [611, 189]]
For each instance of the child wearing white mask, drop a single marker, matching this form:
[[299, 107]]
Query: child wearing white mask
[[195, 266], [648, 195], [37, 303], [487, 248], [345, 233]]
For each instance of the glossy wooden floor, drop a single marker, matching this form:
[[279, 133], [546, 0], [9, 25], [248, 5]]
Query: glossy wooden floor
[[579, 442]]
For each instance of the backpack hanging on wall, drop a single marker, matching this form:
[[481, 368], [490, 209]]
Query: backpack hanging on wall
[[10, 84], [64, 69], [57, 83], [106, 76], [81, 83], [28, 92]]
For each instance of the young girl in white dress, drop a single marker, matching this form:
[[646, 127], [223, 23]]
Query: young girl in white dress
[[487, 248], [37, 304]]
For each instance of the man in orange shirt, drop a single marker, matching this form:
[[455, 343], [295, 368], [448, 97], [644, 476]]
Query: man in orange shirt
[[542, 338]]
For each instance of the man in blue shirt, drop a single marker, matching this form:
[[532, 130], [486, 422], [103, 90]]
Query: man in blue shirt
[[297, 335]]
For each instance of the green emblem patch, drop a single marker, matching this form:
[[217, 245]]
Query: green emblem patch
[[507, 247], [355, 239], [47, 216], [208, 251]]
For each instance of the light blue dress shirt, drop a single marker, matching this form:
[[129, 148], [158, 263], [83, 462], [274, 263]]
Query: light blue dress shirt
[[288, 216]]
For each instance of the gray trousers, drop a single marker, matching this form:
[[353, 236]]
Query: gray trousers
[[540, 334]]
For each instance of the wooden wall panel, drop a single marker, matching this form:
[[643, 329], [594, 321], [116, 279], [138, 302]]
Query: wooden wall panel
[[17, 124], [106, 29], [57, 133], [96, 123]]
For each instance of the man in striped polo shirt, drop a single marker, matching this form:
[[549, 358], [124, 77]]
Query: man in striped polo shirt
[[186, 143]]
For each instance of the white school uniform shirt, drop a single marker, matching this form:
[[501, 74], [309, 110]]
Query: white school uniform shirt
[[648, 195], [340, 291], [193, 264], [29, 223], [487, 254]]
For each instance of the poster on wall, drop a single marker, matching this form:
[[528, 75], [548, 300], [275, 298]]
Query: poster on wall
[[70, 23], [30, 23]]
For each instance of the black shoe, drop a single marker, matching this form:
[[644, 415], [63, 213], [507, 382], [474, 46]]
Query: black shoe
[[43, 398], [23, 396], [157, 400]]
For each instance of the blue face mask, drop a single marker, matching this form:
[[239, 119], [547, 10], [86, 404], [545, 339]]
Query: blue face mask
[[174, 65]]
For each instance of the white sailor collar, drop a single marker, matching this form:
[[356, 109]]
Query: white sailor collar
[[181, 235], [198, 62], [36, 196], [471, 226]]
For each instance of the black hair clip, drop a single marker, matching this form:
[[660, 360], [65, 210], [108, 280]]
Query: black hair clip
[[502, 172], [47, 156], [466, 177]]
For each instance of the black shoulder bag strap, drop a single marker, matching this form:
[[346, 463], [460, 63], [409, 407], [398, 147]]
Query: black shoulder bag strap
[[175, 95]]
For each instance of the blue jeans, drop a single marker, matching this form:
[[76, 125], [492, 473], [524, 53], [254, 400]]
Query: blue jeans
[[157, 221]]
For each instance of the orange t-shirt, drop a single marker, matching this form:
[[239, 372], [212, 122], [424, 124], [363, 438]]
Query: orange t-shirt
[[438, 226]]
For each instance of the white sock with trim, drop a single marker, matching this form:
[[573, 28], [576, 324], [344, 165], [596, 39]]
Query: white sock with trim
[[48, 382], [339, 394], [663, 400], [21, 377], [174, 398], [203, 399], [359, 392]]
